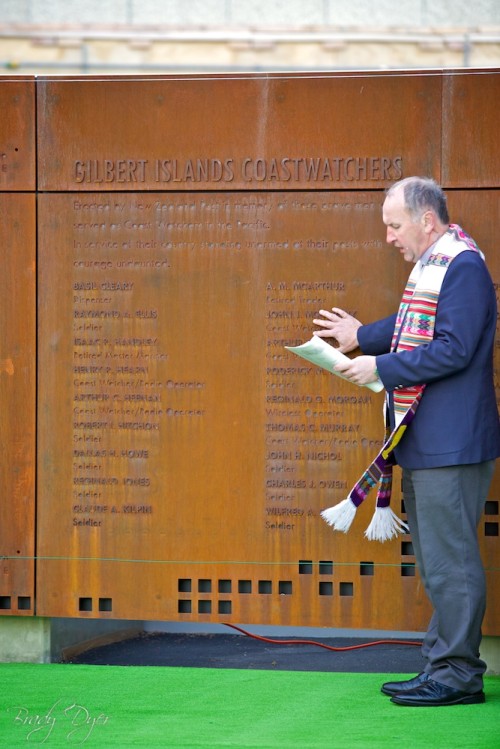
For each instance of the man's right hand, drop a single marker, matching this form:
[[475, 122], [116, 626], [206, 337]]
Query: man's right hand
[[340, 325]]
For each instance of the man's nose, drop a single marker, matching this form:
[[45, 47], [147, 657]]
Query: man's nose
[[390, 235]]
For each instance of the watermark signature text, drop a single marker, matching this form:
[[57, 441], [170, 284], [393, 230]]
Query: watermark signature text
[[75, 721]]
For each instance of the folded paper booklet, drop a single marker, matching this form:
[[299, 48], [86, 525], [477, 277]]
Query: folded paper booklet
[[321, 353]]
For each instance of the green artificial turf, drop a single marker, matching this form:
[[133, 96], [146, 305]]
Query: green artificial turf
[[61, 705]]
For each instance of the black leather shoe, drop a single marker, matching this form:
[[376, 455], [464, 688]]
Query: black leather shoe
[[395, 687], [433, 694]]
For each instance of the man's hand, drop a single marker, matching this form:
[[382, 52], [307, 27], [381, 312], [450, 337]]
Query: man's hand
[[340, 325], [361, 370]]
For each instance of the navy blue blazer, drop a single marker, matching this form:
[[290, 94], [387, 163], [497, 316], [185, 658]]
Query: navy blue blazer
[[457, 420]]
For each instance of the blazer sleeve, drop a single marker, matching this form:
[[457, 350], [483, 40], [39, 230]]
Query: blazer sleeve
[[464, 311], [375, 338]]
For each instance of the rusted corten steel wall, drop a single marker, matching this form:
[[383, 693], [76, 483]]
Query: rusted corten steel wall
[[17, 345], [188, 229]]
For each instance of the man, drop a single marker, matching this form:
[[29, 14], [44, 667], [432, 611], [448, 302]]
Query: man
[[440, 344]]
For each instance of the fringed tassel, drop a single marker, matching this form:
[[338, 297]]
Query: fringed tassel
[[385, 525], [340, 516]]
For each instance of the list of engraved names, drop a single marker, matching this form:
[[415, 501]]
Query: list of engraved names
[[158, 283]]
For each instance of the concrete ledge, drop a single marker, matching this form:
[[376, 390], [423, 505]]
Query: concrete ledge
[[490, 653], [24, 639], [45, 640]]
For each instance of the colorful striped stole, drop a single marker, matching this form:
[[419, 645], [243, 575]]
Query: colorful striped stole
[[414, 326]]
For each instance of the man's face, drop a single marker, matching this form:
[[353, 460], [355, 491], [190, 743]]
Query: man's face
[[406, 235]]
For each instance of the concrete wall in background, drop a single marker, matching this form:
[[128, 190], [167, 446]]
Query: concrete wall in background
[[257, 13], [56, 36]]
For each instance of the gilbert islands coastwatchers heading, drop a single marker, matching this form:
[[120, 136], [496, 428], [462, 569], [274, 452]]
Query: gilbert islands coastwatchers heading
[[280, 169]]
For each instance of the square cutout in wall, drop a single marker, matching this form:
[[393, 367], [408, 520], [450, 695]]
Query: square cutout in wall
[[408, 569], [491, 529], [325, 567], [225, 607], [346, 589], [491, 507], [367, 569]]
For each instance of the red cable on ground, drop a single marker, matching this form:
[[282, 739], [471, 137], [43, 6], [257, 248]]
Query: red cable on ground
[[321, 644]]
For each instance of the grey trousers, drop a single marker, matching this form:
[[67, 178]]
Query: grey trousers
[[444, 506]]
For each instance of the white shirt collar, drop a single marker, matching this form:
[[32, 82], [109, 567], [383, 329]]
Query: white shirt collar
[[424, 259]]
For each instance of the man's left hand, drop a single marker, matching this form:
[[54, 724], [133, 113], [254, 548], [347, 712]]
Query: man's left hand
[[361, 370]]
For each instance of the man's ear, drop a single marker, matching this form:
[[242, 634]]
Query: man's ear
[[429, 221]]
